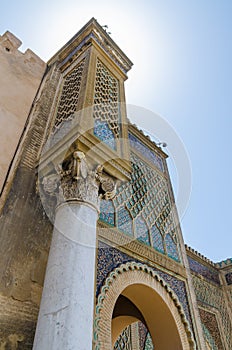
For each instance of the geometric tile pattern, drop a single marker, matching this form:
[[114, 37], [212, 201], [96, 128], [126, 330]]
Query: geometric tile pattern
[[124, 221], [143, 209], [106, 108], [124, 340], [229, 278], [212, 295], [171, 247], [157, 239], [110, 258], [205, 271], [69, 96], [146, 152], [142, 330], [148, 344], [105, 134], [107, 212], [209, 320], [141, 230], [209, 339]]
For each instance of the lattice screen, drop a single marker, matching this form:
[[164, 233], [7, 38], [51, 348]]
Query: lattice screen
[[68, 100], [106, 107]]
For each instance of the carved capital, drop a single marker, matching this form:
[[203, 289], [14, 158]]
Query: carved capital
[[76, 181], [107, 183]]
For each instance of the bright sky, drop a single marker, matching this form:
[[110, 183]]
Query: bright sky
[[182, 54]]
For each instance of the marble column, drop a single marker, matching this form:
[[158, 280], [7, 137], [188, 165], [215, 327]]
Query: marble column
[[67, 307]]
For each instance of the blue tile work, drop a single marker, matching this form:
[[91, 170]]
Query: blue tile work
[[149, 344], [109, 258], [178, 287], [142, 203], [146, 152], [171, 248], [157, 239], [207, 272], [107, 212], [143, 331], [124, 340], [105, 134], [141, 230], [229, 278], [209, 338], [209, 321], [124, 221]]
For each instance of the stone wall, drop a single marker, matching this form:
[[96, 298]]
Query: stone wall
[[20, 77], [25, 230]]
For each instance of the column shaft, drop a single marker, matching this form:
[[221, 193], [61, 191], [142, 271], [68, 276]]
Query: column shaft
[[66, 312]]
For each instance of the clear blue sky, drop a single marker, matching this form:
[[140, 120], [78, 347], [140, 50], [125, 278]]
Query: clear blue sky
[[182, 55]]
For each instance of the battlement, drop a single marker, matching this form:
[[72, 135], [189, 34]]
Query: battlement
[[10, 44], [219, 265], [20, 74], [224, 263], [199, 255]]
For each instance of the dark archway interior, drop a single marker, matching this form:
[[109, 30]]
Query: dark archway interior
[[124, 307]]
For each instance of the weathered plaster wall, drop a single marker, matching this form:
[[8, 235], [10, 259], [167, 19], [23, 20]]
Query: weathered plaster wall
[[20, 76], [25, 234], [25, 230]]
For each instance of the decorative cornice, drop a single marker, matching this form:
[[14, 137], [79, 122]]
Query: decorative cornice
[[132, 266], [93, 31], [138, 250], [199, 255]]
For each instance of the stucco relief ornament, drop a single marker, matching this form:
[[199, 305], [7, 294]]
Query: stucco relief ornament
[[50, 183], [48, 188]]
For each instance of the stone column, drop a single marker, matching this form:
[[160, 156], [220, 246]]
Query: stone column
[[67, 307]]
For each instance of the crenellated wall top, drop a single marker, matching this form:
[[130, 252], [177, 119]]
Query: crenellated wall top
[[10, 44]]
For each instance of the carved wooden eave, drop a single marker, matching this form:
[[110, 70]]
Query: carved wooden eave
[[93, 33], [76, 139]]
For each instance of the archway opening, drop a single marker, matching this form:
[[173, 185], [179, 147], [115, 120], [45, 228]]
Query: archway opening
[[152, 298], [139, 302]]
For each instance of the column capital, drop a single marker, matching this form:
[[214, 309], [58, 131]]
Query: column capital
[[75, 180]]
